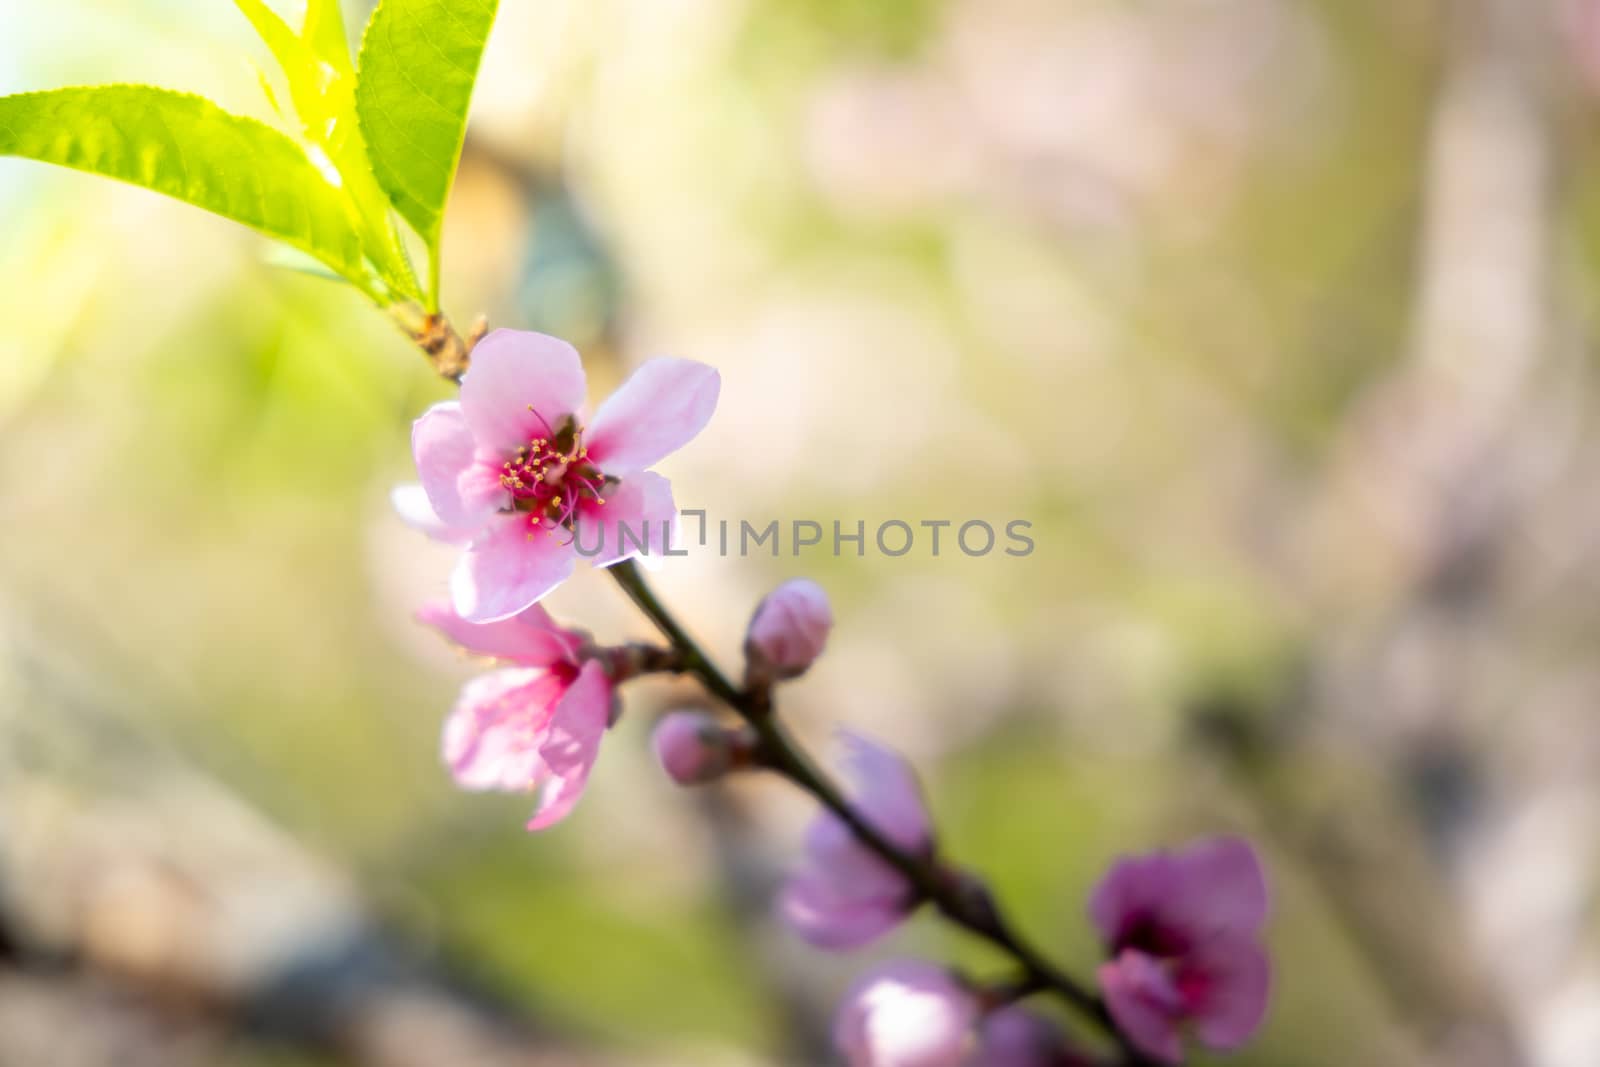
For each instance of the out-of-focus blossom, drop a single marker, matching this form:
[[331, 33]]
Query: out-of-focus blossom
[[906, 1014], [1183, 928], [846, 896], [511, 469], [534, 727], [694, 748], [788, 630], [1017, 1037]]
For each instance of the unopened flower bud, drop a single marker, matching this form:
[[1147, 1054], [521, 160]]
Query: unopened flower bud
[[906, 1014], [788, 631], [694, 748]]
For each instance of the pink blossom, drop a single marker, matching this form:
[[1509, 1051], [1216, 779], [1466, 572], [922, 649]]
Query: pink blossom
[[788, 630], [410, 502], [906, 1014], [693, 748], [533, 727], [846, 896], [1183, 928], [1016, 1037], [513, 471]]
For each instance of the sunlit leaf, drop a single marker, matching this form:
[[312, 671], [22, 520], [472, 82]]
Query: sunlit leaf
[[324, 33], [321, 78], [419, 59], [188, 148], [293, 55]]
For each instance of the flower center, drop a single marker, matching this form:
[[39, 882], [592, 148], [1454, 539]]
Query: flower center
[[550, 475]]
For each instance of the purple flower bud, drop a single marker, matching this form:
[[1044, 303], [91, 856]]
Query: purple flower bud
[[788, 631], [845, 895]]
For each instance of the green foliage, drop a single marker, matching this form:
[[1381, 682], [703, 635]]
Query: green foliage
[[419, 59], [188, 148], [384, 141], [321, 79]]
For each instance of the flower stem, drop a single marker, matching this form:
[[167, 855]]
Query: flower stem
[[962, 901]]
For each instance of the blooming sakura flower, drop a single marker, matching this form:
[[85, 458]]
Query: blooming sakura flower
[[847, 896], [694, 748], [1183, 929], [788, 630], [534, 727], [906, 1014], [1016, 1037], [512, 470]]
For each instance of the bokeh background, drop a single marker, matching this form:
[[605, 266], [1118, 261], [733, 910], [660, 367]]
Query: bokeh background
[[1275, 318]]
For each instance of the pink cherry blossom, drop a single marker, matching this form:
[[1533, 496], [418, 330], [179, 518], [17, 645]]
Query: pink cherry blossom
[[788, 630], [906, 1014], [1183, 928], [694, 748], [410, 502], [533, 727], [512, 469], [846, 896]]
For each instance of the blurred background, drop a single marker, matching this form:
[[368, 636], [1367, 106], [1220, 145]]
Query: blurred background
[[1276, 318]]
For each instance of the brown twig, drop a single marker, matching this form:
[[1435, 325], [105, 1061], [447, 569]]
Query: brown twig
[[433, 332]]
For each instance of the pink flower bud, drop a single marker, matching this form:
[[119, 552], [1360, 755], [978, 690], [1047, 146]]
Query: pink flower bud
[[694, 748], [906, 1014], [788, 631]]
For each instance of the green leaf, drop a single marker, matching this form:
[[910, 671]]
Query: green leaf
[[293, 56], [321, 78], [418, 61], [324, 32], [188, 148]]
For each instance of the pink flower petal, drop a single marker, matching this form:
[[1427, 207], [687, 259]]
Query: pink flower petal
[[512, 372], [508, 568], [638, 511], [1146, 1004], [1233, 977], [854, 869], [446, 462], [573, 744], [657, 411], [813, 907], [491, 739], [1223, 888], [410, 502], [1187, 895], [887, 791], [531, 638], [1135, 890]]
